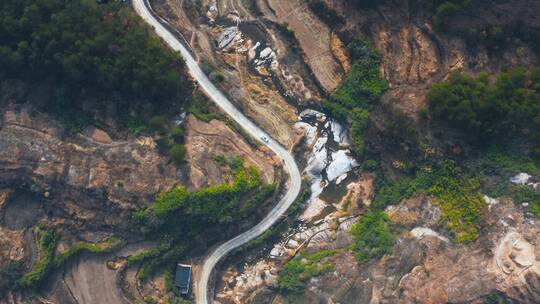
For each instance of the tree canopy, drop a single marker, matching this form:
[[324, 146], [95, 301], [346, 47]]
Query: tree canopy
[[88, 49], [487, 111]]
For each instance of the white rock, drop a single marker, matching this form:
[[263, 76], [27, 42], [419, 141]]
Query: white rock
[[421, 232], [347, 224], [292, 244], [314, 208], [316, 163], [276, 252], [339, 133], [251, 52], [311, 131], [269, 278], [227, 36], [341, 178], [521, 179], [312, 113], [319, 144], [341, 163]]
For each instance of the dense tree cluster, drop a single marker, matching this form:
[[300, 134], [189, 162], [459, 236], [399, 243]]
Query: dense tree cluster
[[486, 111], [86, 48], [359, 91]]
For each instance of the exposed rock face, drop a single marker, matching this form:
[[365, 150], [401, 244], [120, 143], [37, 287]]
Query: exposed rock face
[[331, 232], [207, 140], [87, 186], [11, 246], [315, 39], [430, 269], [86, 183], [425, 266], [414, 56]]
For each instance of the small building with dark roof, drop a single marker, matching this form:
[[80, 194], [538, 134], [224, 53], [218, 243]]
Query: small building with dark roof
[[182, 279]]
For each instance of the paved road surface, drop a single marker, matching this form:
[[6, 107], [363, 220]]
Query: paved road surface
[[201, 283]]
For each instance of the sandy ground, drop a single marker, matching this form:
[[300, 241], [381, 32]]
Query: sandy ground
[[90, 281]]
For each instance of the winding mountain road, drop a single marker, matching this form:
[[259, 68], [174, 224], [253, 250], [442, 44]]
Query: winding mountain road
[[293, 189]]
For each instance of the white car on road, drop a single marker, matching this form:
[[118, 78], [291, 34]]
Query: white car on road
[[265, 138]]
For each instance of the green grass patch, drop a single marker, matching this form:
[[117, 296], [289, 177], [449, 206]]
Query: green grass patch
[[372, 236], [456, 193], [81, 247], [197, 110], [47, 241], [297, 271]]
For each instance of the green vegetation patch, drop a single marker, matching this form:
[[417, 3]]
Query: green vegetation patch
[[452, 190], [179, 215], [297, 271], [485, 111], [359, 91], [81, 247], [47, 241], [92, 50], [372, 236]]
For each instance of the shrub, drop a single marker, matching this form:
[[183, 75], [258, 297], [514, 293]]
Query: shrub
[[177, 135], [178, 153], [296, 272], [455, 193], [136, 126], [47, 242], [372, 236], [325, 13], [202, 114], [370, 165], [158, 124], [179, 215], [81, 247], [47, 261]]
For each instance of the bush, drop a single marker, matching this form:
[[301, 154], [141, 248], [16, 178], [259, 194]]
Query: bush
[[372, 236], [486, 112], [177, 135], [325, 13], [47, 242], [454, 192], [365, 3], [178, 153], [158, 124], [81, 247], [370, 165], [200, 111], [47, 261], [296, 272]]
